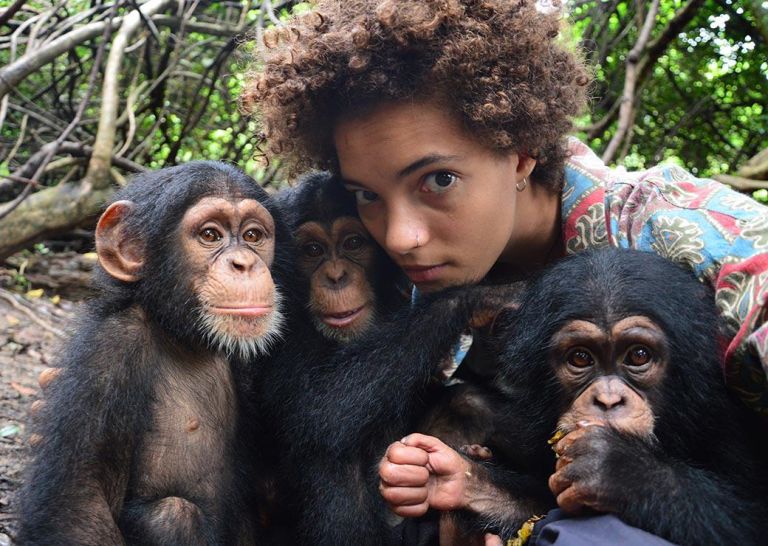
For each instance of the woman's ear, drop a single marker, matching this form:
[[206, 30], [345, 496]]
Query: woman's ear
[[525, 166], [120, 253]]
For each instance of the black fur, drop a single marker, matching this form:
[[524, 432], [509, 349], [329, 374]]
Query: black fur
[[703, 479], [131, 340]]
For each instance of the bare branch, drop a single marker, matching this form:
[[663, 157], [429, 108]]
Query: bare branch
[[98, 168], [742, 184], [627, 108], [12, 74], [10, 11]]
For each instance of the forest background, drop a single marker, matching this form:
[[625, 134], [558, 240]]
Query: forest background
[[92, 91]]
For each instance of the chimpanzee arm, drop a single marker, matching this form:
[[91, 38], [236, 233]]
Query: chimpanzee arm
[[77, 481], [374, 387], [343, 410], [500, 499], [634, 479]]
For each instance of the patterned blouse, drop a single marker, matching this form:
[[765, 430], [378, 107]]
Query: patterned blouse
[[715, 231]]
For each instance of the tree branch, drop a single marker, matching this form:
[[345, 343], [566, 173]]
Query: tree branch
[[627, 108], [97, 175]]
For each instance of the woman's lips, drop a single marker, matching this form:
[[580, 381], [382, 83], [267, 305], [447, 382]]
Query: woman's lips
[[340, 320], [423, 273]]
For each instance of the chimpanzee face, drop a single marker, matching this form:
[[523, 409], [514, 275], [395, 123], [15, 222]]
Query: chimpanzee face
[[610, 373], [229, 245], [338, 260]]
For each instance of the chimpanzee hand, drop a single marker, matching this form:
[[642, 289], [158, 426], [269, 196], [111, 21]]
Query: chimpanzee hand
[[493, 301], [46, 377], [594, 467], [421, 472]]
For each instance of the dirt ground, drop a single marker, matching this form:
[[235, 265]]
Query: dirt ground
[[39, 294]]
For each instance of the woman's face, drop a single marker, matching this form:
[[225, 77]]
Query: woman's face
[[442, 206]]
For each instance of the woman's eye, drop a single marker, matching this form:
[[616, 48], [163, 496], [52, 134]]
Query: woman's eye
[[365, 197], [353, 242], [439, 182], [210, 235], [312, 250], [580, 358], [253, 236], [638, 356]]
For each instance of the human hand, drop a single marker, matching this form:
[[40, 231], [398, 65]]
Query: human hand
[[421, 472]]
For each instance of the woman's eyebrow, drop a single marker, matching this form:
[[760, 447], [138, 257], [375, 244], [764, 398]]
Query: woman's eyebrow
[[425, 161]]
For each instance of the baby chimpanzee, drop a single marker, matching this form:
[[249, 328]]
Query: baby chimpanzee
[[138, 434]]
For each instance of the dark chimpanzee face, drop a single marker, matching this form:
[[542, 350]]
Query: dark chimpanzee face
[[610, 372], [230, 246], [336, 258]]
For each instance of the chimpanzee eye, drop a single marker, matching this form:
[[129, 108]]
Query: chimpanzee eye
[[313, 250], [210, 235], [353, 242], [638, 356], [580, 358], [253, 236], [440, 181]]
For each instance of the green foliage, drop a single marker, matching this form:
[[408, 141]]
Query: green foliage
[[703, 103]]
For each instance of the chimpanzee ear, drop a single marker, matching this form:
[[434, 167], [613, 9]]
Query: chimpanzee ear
[[120, 254]]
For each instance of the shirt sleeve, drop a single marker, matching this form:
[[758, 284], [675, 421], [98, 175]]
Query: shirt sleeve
[[719, 234]]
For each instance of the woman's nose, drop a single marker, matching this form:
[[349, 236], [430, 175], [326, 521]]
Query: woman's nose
[[404, 232]]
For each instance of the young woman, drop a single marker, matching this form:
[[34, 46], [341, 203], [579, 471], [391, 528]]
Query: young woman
[[448, 120]]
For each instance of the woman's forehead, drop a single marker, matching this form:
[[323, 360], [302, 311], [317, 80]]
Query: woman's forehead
[[398, 139]]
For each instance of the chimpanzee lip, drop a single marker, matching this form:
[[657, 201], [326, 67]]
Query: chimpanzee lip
[[242, 310], [339, 320]]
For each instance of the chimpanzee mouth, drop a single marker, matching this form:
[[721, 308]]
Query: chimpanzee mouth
[[243, 331], [254, 311], [345, 318]]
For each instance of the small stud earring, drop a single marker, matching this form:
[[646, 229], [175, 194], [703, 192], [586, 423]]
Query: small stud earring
[[520, 186]]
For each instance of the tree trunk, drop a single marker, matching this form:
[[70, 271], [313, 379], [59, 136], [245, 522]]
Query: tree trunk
[[50, 211]]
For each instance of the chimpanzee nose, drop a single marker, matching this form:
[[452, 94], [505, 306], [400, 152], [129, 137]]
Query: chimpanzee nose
[[607, 400], [242, 262], [337, 275]]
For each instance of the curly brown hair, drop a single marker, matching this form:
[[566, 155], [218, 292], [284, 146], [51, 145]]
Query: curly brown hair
[[498, 64]]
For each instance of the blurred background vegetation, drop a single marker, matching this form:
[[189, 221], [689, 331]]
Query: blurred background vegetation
[[92, 91]]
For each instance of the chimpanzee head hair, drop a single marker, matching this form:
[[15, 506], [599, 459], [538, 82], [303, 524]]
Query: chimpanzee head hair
[[603, 287], [317, 197], [164, 287]]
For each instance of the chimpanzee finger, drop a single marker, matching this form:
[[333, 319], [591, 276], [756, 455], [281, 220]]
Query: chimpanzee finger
[[403, 475], [477, 452], [36, 407], [583, 428], [562, 461], [571, 501], [403, 496], [559, 482], [47, 376], [562, 446]]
